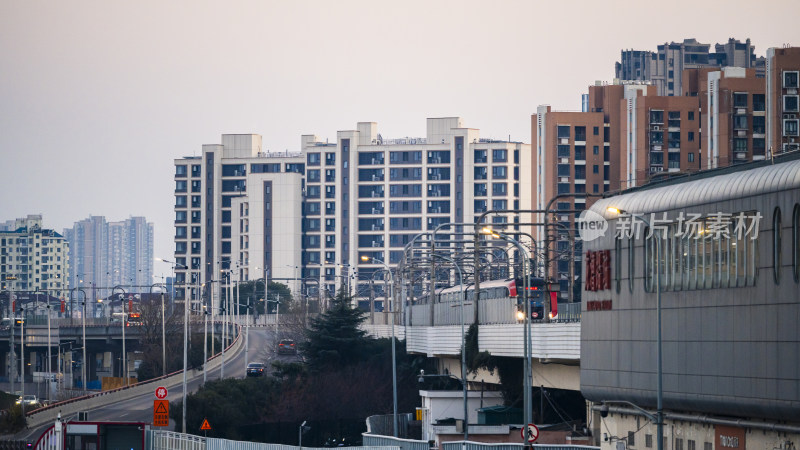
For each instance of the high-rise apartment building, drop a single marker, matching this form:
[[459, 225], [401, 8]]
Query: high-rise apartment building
[[662, 135], [572, 156], [237, 209], [664, 67], [314, 214], [732, 114], [783, 107], [106, 254], [612, 101], [33, 258]]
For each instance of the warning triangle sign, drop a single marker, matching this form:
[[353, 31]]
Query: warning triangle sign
[[205, 425], [160, 408]]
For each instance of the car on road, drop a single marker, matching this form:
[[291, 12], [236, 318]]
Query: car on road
[[29, 400], [287, 347], [255, 369]]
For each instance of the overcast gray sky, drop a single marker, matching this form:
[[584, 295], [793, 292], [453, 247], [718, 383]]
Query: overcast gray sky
[[98, 97]]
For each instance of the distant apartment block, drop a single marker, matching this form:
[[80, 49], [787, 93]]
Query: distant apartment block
[[664, 67], [572, 155], [733, 114], [106, 254], [313, 214], [662, 136], [33, 258], [783, 110]]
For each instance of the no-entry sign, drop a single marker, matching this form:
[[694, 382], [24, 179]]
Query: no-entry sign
[[530, 433]]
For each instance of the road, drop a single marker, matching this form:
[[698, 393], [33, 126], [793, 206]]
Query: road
[[140, 409]]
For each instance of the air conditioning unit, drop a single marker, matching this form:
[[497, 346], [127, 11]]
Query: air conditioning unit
[[376, 244], [791, 147], [656, 127]]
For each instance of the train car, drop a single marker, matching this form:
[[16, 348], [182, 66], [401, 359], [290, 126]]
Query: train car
[[505, 288]]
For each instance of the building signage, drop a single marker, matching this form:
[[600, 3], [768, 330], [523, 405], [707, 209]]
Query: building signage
[[598, 305], [598, 270], [729, 437]]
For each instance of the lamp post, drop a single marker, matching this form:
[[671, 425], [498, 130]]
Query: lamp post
[[124, 356], [526, 386], [163, 330], [463, 342], [394, 358], [659, 368]]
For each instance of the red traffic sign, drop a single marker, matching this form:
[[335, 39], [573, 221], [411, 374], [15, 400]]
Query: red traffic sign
[[529, 433], [161, 392], [205, 425]]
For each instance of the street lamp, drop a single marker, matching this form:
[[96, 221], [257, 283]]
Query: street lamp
[[659, 388], [124, 355], [185, 338], [526, 325], [163, 329], [463, 342], [83, 316], [394, 359]]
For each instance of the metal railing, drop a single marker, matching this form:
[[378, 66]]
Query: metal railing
[[170, 440], [469, 445]]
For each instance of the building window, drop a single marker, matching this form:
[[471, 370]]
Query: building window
[[631, 263], [580, 153], [790, 127], [596, 150], [690, 136], [648, 440], [759, 104], [563, 131], [776, 244], [563, 170], [790, 103], [563, 151], [499, 155], [740, 100], [595, 169], [499, 173], [596, 131], [618, 265], [690, 115], [690, 157], [790, 80], [480, 156], [499, 189], [580, 133], [580, 172], [796, 242], [595, 188], [180, 171], [313, 159]]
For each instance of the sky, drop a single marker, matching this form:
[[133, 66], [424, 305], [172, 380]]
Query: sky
[[97, 98]]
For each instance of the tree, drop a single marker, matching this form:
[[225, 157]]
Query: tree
[[151, 339], [254, 290], [334, 339]]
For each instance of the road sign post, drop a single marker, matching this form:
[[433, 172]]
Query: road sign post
[[160, 413]]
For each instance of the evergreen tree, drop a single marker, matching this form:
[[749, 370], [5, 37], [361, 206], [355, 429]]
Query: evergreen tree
[[334, 338]]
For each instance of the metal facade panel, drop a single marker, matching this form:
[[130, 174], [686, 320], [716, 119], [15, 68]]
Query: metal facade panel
[[730, 351]]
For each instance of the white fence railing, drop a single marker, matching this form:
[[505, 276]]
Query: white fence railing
[[170, 440]]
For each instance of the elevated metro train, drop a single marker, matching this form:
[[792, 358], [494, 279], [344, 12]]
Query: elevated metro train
[[505, 288]]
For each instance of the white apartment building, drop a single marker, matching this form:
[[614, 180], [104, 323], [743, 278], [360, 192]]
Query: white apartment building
[[33, 258], [313, 214]]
